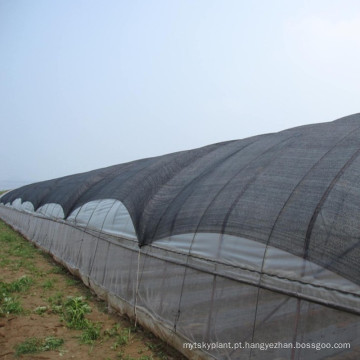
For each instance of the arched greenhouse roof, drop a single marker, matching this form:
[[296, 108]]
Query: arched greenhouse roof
[[297, 190]]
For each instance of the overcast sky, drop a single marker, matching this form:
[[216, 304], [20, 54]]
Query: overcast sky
[[88, 84]]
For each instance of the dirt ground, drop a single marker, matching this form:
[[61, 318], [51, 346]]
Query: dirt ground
[[41, 317]]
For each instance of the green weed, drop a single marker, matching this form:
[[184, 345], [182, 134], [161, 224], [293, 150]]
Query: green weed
[[8, 238], [157, 348], [74, 311], [58, 269], [48, 284], [10, 305], [4, 261], [56, 303], [34, 345], [21, 285], [21, 249], [52, 343], [121, 339], [72, 281], [46, 256], [90, 333], [40, 310], [29, 346], [108, 333]]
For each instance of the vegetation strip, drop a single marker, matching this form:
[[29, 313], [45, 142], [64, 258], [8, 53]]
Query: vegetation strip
[[43, 308]]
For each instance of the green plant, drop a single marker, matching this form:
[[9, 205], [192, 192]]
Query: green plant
[[56, 299], [112, 331], [157, 348], [51, 343], [29, 346], [21, 284], [56, 303], [40, 310], [21, 249], [34, 345], [121, 339], [8, 238], [4, 291], [48, 284], [4, 261], [10, 305], [132, 329], [90, 333], [58, 269], [46, 256], [120, 355], [72, 281], [74, 311]]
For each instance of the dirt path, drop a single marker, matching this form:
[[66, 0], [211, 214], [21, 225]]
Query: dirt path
[[38, 298]]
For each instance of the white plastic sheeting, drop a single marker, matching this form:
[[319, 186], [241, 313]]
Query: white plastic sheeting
[[109, 216], [269, 267], [257, 263], [203, 287], [51, 210], [26, 205]]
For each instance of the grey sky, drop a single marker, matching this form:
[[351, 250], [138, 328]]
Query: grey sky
[[87, 84]]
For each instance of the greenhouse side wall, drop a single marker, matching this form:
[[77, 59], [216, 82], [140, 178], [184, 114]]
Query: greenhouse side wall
[[190, 305]]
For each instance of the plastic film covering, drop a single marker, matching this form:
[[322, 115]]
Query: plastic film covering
[[254, 240], [51, 210], [189, 299], [109, 216]]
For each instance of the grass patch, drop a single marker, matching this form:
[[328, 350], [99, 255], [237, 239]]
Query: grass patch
[[122, 336], [56, 303], [34, 345], [22, 250], [16, 252], [48, 284], [8, 238], [21, 285], [29, 346], [4, 261], [112, 332], [72, 281], [91, 333], [10, 304], [122, 339], [58, 269]]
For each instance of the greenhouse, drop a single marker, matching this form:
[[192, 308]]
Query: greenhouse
[[222, 248]]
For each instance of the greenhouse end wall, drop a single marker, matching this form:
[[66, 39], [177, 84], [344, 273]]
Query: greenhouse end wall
[[191, 303]]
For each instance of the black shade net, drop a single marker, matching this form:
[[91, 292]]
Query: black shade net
[[297, 190]]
